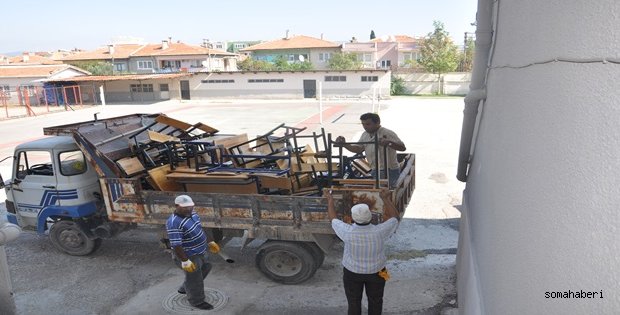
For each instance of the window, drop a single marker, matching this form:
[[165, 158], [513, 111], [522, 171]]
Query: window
[[141, 87], [240, 45], [265, 80], [72, 163], [145, 64], [333, 78], [120, 67], [171, 64], [325, 56], [407, 58], [364, 57], [385, 63], [5, 91], [218, 81], [34, 163], [163, 87], [370, 78]]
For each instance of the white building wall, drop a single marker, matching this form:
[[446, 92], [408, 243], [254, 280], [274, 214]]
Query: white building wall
[[120, 91], [455, 83], [292, 85], [542, 200], [68, 73]]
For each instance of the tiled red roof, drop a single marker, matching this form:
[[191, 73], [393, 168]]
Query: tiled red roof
[[121, 51], [177, 49], [32, 60], [294, 42], [124, 51], [35, 70], [100, 78], [395, 38]]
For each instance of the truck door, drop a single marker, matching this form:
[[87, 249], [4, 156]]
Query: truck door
[[76, 182], [34, 185]]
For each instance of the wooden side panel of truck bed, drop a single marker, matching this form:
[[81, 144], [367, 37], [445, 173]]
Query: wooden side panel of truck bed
[[281, 217]]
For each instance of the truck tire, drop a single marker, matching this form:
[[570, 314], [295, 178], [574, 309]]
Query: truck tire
[[67, 237], [317, 253], [286, 262]]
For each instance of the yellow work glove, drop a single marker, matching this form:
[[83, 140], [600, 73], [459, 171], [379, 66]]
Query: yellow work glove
[[213, 247], [384, 274], [188, 266]]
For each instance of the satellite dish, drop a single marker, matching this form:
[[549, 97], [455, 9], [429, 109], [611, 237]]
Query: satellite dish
[[301, 58]]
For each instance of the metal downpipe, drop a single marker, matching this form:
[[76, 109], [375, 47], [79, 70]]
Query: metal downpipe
[[477, 88]]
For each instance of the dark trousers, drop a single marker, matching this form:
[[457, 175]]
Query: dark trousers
[[354, 284], [194, 281]]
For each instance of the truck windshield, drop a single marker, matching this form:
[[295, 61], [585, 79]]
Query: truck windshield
[[72, 163]]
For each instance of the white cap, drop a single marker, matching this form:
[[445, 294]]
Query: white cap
[[184, 201], [361, 213]]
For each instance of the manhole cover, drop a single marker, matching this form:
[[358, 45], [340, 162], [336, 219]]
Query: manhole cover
[[177, 303]]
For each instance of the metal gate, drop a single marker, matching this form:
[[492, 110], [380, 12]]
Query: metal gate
[[309, 88], [185, 90]]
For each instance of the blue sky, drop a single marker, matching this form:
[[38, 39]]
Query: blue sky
[[50, 25]]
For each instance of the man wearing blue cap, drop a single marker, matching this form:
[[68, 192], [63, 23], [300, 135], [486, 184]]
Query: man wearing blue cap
[[364, 257]]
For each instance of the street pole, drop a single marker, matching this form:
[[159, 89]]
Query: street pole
[[321, 103], [464, 53]]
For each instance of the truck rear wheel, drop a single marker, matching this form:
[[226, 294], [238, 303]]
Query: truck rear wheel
[[67, 237], [286, 262], [317, 253]]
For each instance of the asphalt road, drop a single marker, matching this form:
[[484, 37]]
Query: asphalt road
[[131, 274]]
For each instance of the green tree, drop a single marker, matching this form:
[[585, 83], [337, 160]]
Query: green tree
[[438, 54], [281, 63], [397, 86], [250, 64], [345, 61], [372, 34], [301, 66], [94, 67]]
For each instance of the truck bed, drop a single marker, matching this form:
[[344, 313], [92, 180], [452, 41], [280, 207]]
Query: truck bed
[[262, 216], [285, 217]]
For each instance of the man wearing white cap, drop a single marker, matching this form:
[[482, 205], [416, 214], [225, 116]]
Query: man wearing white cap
[[189, 243], [364, 257]]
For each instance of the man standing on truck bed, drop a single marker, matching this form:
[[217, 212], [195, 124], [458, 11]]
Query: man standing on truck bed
[[387, 139], [364, 257], [189, 243]]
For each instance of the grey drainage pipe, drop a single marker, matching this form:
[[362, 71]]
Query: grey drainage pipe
[[477, 88]]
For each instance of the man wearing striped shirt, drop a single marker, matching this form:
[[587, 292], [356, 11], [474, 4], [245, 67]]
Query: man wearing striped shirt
[[364, 255], [189, 243]]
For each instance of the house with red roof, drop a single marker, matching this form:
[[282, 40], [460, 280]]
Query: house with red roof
[[388, 52], [30, 77], [167, 57], [295, 49]]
